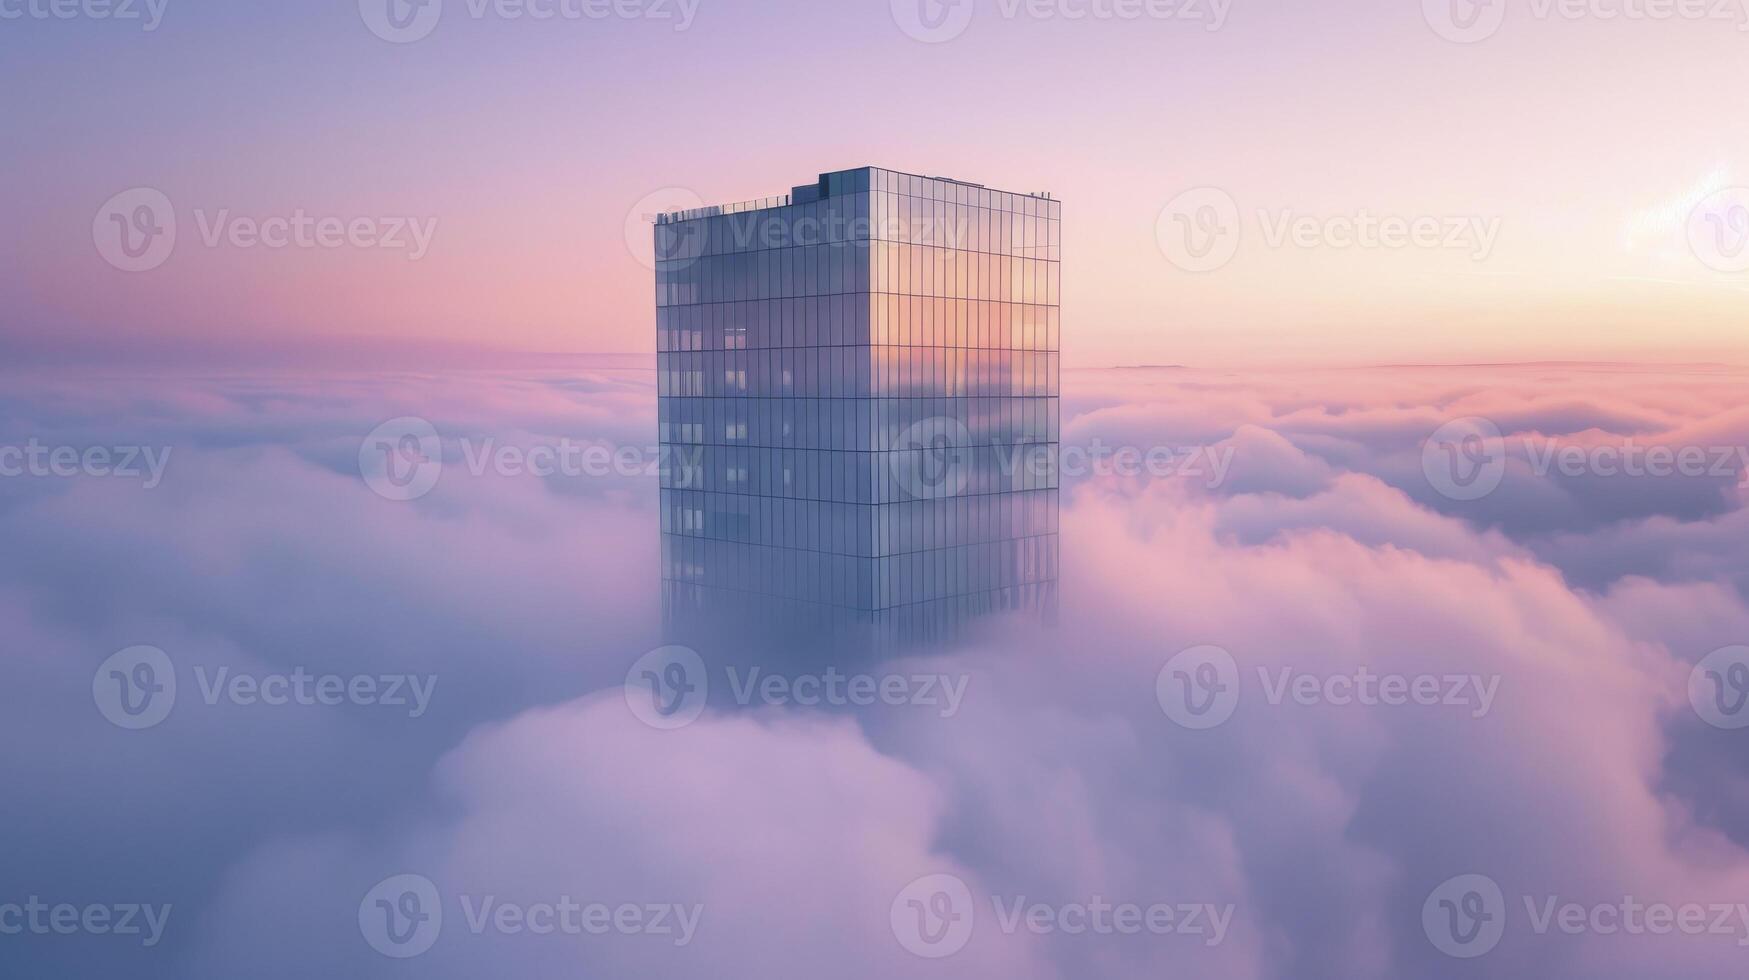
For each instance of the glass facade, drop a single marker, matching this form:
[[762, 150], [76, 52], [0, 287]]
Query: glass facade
[[858, 392]]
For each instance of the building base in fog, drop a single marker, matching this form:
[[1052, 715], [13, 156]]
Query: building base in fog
[[698, 615]]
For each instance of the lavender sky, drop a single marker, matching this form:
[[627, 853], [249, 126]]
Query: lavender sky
[[1559, 152]]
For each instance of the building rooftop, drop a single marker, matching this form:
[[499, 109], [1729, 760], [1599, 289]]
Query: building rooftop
[[860, 180]]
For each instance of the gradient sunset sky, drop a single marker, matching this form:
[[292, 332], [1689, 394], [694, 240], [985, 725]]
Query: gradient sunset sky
[[535, 143]]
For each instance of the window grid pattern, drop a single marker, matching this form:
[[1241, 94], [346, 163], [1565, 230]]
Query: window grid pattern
[[858, 391]]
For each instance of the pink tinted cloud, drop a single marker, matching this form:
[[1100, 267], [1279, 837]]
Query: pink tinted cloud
[[1325, 826]]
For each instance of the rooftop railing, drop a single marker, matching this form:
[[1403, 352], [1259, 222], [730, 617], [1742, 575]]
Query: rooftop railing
[[711, 211], [783, 200]]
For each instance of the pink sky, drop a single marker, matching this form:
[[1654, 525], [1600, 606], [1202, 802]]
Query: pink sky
[[1583, 143]]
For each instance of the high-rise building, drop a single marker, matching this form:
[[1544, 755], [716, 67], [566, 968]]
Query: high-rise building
[[858, 393]]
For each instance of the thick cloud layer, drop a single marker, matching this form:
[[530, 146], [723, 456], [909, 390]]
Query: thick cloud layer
[[1549, 628]]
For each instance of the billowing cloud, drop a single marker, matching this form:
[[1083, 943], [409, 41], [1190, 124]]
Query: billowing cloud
[[1540, 640]]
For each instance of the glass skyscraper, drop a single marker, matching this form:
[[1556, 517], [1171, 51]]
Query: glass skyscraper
[[858, 394]]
